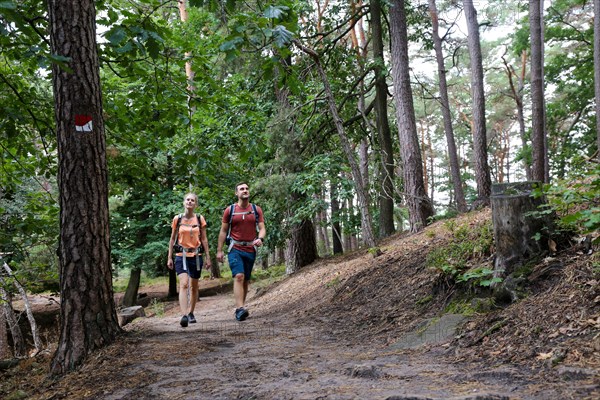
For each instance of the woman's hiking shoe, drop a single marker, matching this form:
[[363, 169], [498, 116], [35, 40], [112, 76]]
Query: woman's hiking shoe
[[241, 314], [184, 321], [191, 318]]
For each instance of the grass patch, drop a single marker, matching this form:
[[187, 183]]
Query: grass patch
[[266, 277], [120, 283], [157, 307]]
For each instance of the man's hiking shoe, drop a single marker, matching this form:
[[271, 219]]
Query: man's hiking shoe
[[191, 318], [184, 321], [241, 314]]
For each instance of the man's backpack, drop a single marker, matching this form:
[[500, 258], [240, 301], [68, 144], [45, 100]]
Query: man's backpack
[[177, 247], [231, 214]]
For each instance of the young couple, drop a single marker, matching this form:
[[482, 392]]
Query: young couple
[[242, 226]]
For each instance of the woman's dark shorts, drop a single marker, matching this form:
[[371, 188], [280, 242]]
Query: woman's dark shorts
[[194, 270]]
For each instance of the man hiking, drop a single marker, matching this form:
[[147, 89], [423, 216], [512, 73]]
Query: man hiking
[[243, 230]]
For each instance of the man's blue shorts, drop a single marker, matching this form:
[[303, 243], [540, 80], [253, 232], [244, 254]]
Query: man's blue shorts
[[241, 262], [193, 270]]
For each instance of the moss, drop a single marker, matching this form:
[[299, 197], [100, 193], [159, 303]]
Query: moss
[[425, 300], [461, 306]]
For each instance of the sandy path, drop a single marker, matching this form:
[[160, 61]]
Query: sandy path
[[268, 357]]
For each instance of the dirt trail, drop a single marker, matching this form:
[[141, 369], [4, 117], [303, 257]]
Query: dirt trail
[[272, 356], [333, 331]]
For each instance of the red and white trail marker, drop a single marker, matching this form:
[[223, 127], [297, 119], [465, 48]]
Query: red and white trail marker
[[83, 123]]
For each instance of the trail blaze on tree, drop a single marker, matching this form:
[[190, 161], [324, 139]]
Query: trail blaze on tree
[[88, 316]]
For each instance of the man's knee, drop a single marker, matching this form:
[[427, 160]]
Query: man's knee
[[239, 277]]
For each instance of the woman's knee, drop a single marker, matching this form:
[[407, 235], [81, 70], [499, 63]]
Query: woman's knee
[[183, 283]]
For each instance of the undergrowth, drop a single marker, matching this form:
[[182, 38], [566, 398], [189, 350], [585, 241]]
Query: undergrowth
[[460, 259]]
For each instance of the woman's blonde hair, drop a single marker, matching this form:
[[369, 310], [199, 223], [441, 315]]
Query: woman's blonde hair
[[190, 194]]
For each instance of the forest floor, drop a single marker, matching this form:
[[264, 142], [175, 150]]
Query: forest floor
[[351, 327]]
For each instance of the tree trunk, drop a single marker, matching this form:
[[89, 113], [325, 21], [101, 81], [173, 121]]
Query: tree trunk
[[88, 314], [419, 205], [5, 352], [131, 293], [327, 242], [280, 257], [597, 72], [482, 169], [189, 72], [215, 272], [34, 331], [363, 157], [517, 95], [336, 232], [457, 184], [386, 198], [538, 107], [172, 283], [322, 250], [301, 247], [368, 236], [13, 325]]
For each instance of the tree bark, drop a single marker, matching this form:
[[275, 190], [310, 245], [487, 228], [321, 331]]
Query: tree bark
[[538, 107], [384, 135], [419, 205], [133, 285], [5, 352], [517, 95], [301, 247], [457, 184], [88, 314], [597, 72], [34, 331], [336, 231], [515, 226], [482, 169], [13, 324], [172, 283]]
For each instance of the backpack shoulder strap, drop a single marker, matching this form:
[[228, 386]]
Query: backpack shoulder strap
[[231, 209], [255, 215], [177, 228]]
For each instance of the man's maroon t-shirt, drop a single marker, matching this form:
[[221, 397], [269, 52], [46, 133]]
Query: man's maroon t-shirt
[[243, 225]]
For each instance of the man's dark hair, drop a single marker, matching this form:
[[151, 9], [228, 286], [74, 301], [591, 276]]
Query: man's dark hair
[[239, 184]]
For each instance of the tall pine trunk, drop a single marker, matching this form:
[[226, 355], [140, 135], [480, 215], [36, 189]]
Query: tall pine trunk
[[457, 184], [482, 169], [88, 314], [384, 134], [597, 72], [336, 230], [538, 107], [420, 208]]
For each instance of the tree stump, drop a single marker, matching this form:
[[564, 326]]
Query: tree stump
[[515, 227]]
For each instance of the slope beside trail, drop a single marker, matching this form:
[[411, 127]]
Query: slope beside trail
[[332, 331]]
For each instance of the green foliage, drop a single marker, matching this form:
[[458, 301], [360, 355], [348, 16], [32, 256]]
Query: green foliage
[[576, 201], [468, 243], [157, 308]]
